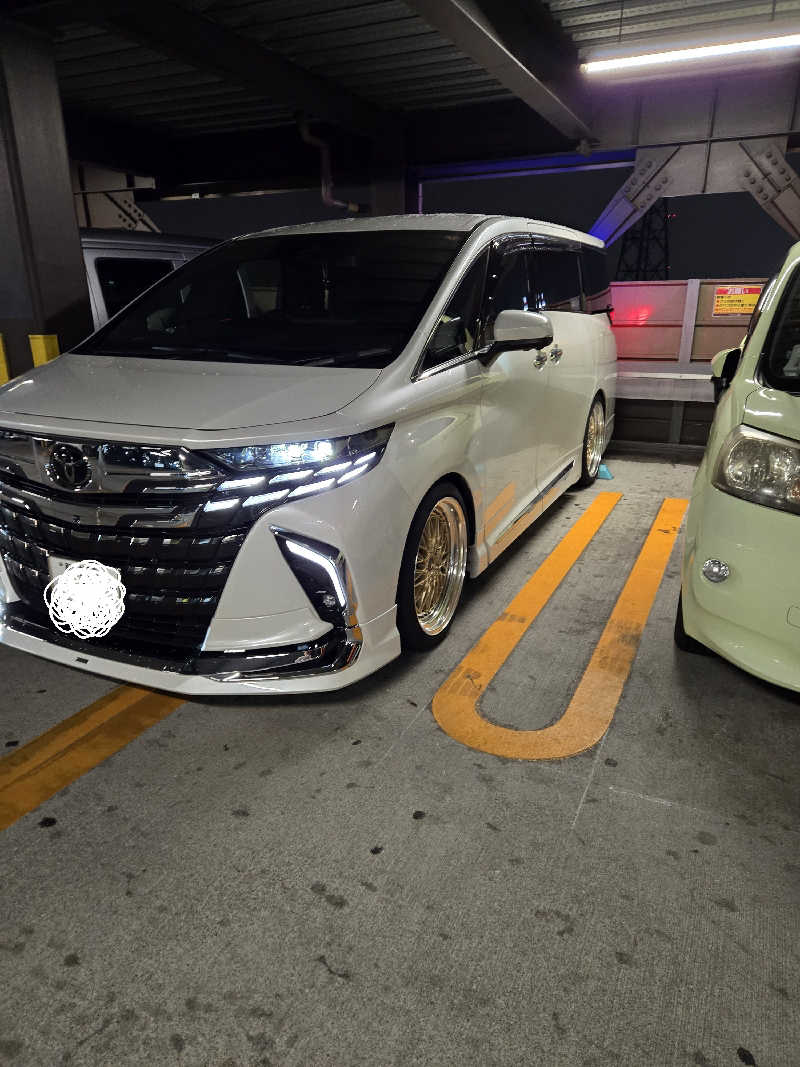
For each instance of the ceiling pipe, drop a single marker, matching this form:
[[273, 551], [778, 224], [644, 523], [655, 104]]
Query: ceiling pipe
[[325, 168]]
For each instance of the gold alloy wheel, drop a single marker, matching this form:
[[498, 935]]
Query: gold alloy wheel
[[440, 566], [595, 439]]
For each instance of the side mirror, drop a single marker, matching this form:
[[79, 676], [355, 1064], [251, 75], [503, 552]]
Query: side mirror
[[723, 369], [519, 331]]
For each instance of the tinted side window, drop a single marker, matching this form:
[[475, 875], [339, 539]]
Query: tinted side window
[[123, 279], [594, 274], [782, 364], [509, 283], [557, 280], [455, 333]]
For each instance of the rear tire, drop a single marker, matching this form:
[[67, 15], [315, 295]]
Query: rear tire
[[683, 641], [433, 569], [594, 439]]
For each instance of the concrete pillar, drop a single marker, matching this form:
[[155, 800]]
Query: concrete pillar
[[42, 277]]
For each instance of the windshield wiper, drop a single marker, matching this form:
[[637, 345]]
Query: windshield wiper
[[178, 352], [338, 359]]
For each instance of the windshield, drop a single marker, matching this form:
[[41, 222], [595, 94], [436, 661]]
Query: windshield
[[781, 363], [339, 299]]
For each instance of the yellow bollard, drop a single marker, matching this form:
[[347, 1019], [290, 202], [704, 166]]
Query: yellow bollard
[[44, 347], [4, 375]]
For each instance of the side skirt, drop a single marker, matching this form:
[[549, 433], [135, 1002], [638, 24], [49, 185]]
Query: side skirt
[[531, 512]]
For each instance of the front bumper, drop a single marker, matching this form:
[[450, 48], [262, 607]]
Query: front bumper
[[233, 675], [753, 618], [271, 631]]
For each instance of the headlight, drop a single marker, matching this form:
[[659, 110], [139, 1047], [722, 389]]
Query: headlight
[[270, 474], [760, 467]]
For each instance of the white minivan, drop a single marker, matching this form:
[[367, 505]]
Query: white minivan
[[296, 447]]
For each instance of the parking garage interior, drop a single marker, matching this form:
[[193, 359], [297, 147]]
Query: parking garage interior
[[567, 834]]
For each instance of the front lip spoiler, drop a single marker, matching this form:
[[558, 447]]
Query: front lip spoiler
[[334, 651], [331, 653]]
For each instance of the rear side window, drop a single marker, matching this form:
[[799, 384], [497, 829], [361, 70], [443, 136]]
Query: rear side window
[[123, 279], [782, 363], [557, 279], [594, 274]]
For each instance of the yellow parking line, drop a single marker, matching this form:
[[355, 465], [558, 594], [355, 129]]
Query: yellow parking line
[[52, 761], [455, 704], [592, 707]]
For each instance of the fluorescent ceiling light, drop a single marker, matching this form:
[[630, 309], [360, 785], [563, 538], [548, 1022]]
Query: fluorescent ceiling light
[[687, 55]]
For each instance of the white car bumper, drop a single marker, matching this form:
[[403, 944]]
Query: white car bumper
[[271, 631], [381, 644]]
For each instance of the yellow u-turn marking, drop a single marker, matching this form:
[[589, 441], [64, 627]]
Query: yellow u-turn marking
[[592, 708], [45, 765]]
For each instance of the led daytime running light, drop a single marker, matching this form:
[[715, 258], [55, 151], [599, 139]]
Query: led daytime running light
[[354, 455], [322, 561]]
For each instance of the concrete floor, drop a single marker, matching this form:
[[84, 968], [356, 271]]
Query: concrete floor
[[334, 881]]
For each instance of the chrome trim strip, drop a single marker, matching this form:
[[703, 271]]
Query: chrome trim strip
[[263, 666], [457, 362], [536, 500], [79, 512]]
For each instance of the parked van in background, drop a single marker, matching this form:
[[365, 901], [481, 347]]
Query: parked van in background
[[120, 264]]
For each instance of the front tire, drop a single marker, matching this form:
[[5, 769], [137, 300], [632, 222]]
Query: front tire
[[433, 569], [594, 439]]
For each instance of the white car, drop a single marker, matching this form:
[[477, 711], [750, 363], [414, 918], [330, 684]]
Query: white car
[[296, 447]]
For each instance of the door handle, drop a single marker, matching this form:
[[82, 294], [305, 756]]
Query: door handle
[[556, 353], [539, 360]]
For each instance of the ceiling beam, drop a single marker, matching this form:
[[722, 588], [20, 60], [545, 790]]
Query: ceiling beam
[[209, 46], [463, 23], [532, 34]]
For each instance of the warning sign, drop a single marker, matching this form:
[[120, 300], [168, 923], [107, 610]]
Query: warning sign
[[736, 299]]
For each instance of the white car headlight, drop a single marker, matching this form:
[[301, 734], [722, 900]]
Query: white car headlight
[[263, 476], [760, 467]]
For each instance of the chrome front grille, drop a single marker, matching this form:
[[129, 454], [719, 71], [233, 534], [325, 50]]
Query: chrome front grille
[[151, 523], [107, 467], [174, 583]]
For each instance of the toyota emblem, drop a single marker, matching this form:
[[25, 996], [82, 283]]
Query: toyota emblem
[[68, 467]]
